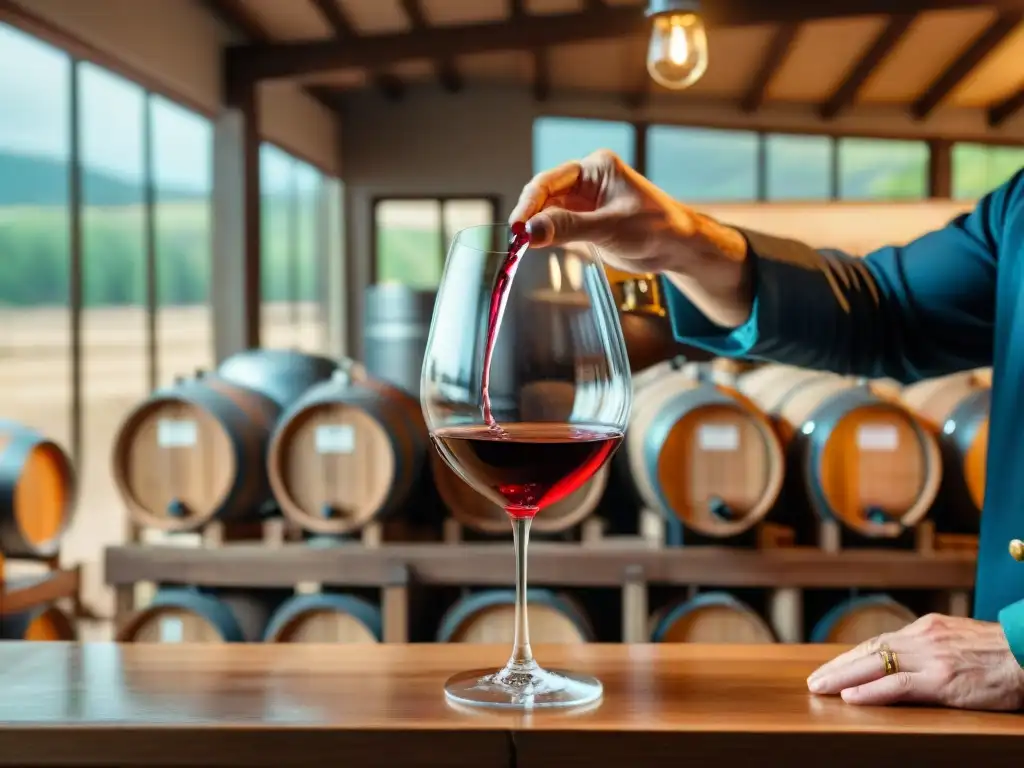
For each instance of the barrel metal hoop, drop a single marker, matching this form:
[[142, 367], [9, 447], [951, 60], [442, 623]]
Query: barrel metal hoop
[[962, 424]]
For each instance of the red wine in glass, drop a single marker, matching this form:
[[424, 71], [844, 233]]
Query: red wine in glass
[[529, 466], [517, 246]]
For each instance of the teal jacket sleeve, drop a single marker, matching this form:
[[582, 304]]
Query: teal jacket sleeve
[[909, 312], [1012, 620]]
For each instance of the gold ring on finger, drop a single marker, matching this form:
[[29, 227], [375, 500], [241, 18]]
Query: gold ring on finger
[[890, 661]]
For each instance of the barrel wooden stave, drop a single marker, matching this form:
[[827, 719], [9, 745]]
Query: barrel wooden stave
[[188, 615], [858, 619], [711, 617], [854, 452], [194, 452], [346, 453], [44, 623], [697, 452], [325, 617], [489, 617], [957, 408], [37, 492]]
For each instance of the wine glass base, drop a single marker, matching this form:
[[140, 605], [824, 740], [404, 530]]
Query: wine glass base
[[526, 688]]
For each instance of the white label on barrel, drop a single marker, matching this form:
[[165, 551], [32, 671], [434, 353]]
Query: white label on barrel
[[335, 438], [718, 437], [172, 630], [176, 434], [877, 437]]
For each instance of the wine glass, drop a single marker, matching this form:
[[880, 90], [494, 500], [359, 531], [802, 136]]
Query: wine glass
[[550, 413]]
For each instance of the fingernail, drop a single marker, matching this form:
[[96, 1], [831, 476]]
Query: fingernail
[[816, 685]]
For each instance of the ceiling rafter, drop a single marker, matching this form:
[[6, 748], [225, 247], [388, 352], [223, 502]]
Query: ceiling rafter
[[846, 94], [1003, 110], [778, 51], [232, 15], [982, 46], [388, 84], [447, 72]]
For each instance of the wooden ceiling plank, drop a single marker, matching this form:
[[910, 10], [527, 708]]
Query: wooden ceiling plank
[[232, 15], [1002, 111], [638, 96], [390, 85], [775, 57], [447, 71], [983, 45], [846, 94]]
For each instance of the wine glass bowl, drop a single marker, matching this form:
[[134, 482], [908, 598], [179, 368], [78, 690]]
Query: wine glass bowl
[[550, 414]]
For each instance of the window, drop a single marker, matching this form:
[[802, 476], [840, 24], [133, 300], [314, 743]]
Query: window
[[294, 251], [35, 145], [412, 236], [881, 169], [978, 168], [115, 345], [798, 167], [695, 164], [183, 180], [557, 140]]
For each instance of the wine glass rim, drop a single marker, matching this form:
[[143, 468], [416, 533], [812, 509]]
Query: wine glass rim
[[458, 238]]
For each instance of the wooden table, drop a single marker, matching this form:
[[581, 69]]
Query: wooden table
[[291, 705]]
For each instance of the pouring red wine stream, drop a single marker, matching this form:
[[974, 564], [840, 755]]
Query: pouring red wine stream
[[517, 246]]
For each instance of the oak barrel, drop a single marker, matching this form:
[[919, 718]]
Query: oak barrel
[[42, 623], [194, 452], [489, 617], [282, 375], [860, 459], [860, 618], [37, 492], [957, 408], [698, 451], [395, 330], [189, 615], [346, 453], [711, 617], [325, 617]]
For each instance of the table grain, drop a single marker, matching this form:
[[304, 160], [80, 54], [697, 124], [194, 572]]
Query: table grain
[[68, 704]]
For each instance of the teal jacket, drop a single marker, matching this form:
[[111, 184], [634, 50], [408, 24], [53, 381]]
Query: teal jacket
[[949, 301]]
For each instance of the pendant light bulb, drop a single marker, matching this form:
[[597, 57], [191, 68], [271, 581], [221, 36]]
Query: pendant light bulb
[[677, 55]]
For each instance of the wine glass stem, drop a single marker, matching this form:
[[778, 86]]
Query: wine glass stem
[[522, 654]]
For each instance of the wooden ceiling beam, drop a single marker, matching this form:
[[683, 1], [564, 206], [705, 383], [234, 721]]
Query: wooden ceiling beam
[[298, 58], [1003, 110], [982, 46], [447, 72], [778, 50], [638, 95], [541, 74], [232, 15], [388, 84], [846, 94]]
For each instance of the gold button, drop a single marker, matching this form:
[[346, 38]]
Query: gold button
[[1017, 550]]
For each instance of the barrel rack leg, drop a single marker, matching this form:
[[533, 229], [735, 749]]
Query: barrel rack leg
[[395, 605], [634, 605]]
